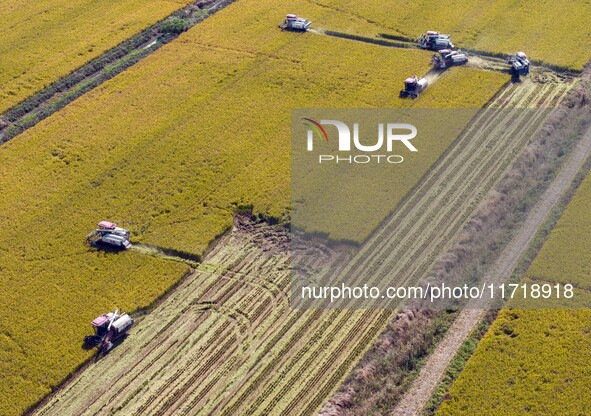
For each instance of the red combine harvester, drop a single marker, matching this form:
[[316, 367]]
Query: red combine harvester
[[447, 58], [108, 234], [294, 23], [434, 41], [109, 328], [413, 86]]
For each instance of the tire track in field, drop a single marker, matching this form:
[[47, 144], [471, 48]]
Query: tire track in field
[[226, 341]]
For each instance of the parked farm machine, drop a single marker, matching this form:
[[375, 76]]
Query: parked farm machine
[[434, 41], [519, 64], [413, 86], [446, 58], [295, 24], [109, 328], [109, 235]]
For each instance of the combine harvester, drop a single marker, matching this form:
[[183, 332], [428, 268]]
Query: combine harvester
[[519, 64], [447, 58], [109, 328], [434, 41], [295, 24], [413, 86], [109, 235]]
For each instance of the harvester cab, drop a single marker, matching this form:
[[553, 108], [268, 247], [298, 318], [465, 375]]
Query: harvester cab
[[447, 58], [413, 86], [435, 41], [295, 23], [109, 328], [519, 64], [108, 234]]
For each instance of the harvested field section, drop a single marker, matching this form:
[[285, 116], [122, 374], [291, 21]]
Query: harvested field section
[[42, 41], [228, 319], [420, 228]]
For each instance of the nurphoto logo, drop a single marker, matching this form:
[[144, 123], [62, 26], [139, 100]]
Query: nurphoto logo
[[389, 134]]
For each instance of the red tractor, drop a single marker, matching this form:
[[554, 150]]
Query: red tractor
[[109, 328]]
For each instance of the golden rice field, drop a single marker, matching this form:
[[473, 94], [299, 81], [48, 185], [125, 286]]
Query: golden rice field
[[556, 32], [529, 362], [47, 305], [169, 148], [537, 361], [41, 41], [566, 255]]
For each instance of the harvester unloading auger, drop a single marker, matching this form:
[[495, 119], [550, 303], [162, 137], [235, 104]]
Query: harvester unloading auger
[[294, 23], [109, 328]]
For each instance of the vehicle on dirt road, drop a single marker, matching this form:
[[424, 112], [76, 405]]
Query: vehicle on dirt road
[[447, 58], [434, 41], [294, 23], [109, 235], [109, 328], [519, 64], [413, 86]]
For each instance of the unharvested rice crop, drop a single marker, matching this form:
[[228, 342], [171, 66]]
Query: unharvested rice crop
[[47, 305], [555, 32], [169, 149], [529, 362], [41, 41], [566, 255]]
